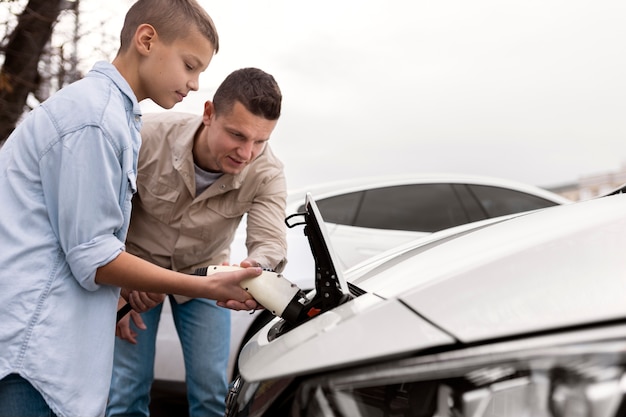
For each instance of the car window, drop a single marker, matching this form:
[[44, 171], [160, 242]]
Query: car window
[[418, 207], [500, 201], [470, 203]]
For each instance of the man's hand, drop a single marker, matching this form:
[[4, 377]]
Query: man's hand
[[250, 304], [143, 301], [248, 262]]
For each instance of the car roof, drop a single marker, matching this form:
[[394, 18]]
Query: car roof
[[323, 190]]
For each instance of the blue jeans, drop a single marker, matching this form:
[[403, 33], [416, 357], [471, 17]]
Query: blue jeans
[[204, 332], [19, 398]]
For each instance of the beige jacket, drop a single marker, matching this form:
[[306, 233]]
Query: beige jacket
[[174, 229]]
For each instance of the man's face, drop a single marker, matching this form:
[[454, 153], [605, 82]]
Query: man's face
[[233, 139]]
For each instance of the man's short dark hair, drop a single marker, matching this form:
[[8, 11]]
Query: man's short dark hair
[[252, 87]]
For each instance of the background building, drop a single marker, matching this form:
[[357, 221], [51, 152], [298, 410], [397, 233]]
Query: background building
[[592, 185]]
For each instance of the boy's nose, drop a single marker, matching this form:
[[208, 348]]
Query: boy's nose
[[193, 84]]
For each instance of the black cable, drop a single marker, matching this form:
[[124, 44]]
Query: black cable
[[123, 311]]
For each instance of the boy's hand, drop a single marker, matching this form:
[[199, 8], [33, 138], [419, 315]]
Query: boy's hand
[[228, 292], [123, 329], [247, 263]]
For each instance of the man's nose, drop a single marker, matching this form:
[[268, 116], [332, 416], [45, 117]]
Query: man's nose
[[246, 150]]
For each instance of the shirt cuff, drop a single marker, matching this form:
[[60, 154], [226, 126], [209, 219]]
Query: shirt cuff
[[85, 259]]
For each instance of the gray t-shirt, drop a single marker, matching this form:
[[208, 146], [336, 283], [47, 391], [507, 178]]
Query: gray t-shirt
[[204, 178]]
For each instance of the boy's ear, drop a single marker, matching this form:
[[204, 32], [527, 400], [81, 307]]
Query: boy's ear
[[145, 36]]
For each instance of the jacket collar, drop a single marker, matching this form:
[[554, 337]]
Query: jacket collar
[[182, 148]]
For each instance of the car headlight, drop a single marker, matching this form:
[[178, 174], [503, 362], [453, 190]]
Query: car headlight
[[580, 373], [258, 398]]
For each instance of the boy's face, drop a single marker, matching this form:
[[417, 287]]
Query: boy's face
[[232, 140], [172, 70]]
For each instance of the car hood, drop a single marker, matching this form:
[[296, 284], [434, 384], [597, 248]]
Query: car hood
[[536, 272], [555, 268]]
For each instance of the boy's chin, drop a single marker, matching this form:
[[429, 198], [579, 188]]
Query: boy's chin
[[165, 104]]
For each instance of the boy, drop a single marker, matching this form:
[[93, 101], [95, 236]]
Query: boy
[[68, 175]]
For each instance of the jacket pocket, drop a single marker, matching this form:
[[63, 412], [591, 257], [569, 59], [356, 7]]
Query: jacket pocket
[[228, 207]]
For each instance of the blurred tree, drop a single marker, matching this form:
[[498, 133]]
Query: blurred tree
[[33, 66], [19, 75]]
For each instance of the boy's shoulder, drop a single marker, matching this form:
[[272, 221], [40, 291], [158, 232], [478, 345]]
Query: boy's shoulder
[[95, 100], [82, 104]]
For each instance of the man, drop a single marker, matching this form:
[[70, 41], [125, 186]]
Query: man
[[197, 177]]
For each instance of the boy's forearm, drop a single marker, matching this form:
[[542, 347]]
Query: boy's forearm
[[132, 272]]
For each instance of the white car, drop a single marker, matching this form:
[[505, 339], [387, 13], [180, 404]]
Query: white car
[[516, 316], [365, 217]]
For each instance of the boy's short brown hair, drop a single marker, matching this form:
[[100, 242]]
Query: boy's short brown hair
[[254, 88], [172, 19]]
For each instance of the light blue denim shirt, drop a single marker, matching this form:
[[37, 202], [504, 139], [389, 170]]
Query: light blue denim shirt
[[67, 176]]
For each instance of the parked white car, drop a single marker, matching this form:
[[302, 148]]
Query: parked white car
[[365, 217], [515, 316]]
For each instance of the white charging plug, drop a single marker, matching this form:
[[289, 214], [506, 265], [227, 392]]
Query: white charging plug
[[270, 289]]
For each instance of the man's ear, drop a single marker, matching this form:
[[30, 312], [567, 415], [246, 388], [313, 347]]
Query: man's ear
[[145, 36], [209, 110]]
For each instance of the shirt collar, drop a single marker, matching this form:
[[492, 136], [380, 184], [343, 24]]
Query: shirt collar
[[110, 71]]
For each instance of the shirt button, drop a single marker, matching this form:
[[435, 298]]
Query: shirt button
[[222, 186]]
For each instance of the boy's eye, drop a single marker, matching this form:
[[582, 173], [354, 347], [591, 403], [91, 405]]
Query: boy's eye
[[189, 67]]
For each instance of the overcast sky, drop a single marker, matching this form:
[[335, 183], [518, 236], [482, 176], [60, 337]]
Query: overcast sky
[[528, 90]]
